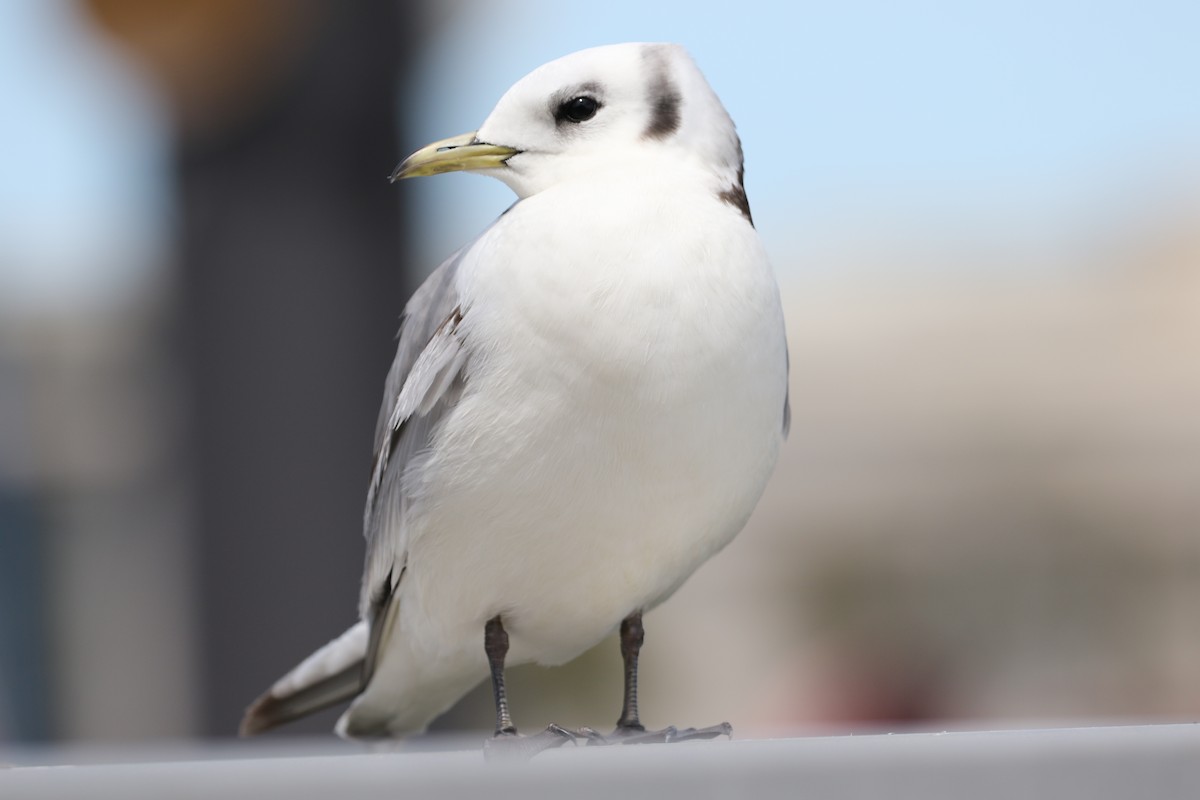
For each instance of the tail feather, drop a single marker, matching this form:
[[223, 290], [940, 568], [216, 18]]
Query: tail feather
[[327, 677]]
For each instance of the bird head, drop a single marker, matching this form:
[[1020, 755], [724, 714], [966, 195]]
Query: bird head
[[595, 112]]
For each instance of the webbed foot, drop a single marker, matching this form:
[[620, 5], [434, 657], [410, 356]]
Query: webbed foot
[[510, 745], [636, 734]]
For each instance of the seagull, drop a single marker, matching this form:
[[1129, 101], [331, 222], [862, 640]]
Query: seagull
[[586, 402]]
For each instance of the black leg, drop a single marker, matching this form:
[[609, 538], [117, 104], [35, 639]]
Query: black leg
[[506, 743], [495, 644], [629, 727], [632, 636]]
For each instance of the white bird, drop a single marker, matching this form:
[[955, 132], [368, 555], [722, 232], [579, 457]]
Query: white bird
[[585, 405]]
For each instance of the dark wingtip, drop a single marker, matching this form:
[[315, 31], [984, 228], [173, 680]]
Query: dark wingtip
[[262, 715], [272, 710]]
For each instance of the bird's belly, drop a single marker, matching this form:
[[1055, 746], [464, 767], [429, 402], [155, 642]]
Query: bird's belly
[[589, 492]]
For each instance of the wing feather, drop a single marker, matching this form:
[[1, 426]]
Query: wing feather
[[422, 386]]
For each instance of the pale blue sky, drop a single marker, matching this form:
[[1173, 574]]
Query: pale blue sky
[[868, 125]]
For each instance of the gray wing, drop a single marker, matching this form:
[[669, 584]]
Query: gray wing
[[423, 384]]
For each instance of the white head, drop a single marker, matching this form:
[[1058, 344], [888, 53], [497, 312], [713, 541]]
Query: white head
[[591, 112]]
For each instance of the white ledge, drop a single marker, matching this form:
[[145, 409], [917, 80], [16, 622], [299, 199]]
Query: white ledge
[[1144, 762]]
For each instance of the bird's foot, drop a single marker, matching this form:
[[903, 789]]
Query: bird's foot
[[510, 745], [636, 734]]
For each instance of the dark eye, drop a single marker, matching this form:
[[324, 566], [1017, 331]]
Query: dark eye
[[577, 109]]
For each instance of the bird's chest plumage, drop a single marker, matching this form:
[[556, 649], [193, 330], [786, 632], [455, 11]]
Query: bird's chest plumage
[[640, 405]]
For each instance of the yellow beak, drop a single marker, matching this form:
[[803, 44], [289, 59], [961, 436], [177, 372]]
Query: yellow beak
[[457, 153]]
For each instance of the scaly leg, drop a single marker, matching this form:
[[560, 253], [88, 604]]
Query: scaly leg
[[629, 727], [506, 742]]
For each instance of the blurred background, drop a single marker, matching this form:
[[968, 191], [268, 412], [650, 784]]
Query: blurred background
[[986, 222]]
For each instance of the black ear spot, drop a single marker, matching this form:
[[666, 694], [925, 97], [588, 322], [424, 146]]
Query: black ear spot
[[576, 110], [664, 116], [663, 96]]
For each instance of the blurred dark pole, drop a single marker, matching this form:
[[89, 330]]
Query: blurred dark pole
[[25, 713], [291, 286]]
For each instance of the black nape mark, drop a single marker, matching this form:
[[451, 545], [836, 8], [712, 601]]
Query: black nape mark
[[735, 195], [664, 97]]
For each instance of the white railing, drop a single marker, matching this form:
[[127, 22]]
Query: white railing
[[1134, 762]]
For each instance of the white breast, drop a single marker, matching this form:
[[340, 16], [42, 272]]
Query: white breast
[[623, 411]]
